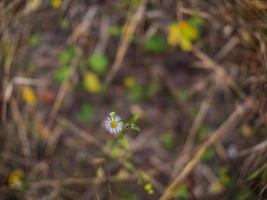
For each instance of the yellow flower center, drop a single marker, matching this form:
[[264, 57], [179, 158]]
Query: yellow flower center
[[114, 124]]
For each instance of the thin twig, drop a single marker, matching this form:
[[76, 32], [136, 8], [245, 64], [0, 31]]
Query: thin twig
[[209, 63], [191, 136], [22, 133], [222, 131], [129, 29]]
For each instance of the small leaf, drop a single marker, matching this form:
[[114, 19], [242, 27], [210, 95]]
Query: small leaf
[[245, 194], [124, 143], [246, 131], [92, 83], [182, 192], [149, 188], [182, 34], [61, 74], [98, 63], [130, 82], [66, 56], [204, 133], [34, 39], [16, 180], [185, 95], [100, 172], [216, 187], [155, 44], [28, 96], [168, 140], [152, 88], [135, 128], [86, 113], [209, 154], [196, 22], [136, 93], [115, 31], [56, 3]]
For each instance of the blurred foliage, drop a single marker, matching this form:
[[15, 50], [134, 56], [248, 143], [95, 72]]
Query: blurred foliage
[[125, 195], [98, 63], [223, 174], [34, 39], [168, 140], [185, 95], [246, 130], [91, 82], [62, 74], [245, 194], [28, 96], [203, 133], [115, 31], [149, 188], [16, 180], [138, 92], [182, 192], [155, 44], [209, 154], [184, 33], [66, 56], [56, 3], [85, 113]]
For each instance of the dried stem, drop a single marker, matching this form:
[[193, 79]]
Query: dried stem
[[222, 131]]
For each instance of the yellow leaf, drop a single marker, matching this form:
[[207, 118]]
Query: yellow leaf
[[185, 44], [174, 34], [28, 96], [56, 3], [129, 81], [15, 179], [216, 187], [182, 34], [91, 82], [246, 131]]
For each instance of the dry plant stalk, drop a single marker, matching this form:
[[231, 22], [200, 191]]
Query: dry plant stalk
[[203, 111], [232, 121], [83, 27], [209, 63], [129, 29], [21, 127]]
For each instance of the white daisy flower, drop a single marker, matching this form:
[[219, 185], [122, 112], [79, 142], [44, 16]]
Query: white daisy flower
[[113, 124]]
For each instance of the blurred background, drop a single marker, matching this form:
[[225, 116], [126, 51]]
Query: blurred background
[[191, 74]]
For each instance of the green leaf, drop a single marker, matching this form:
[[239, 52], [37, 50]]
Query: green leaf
[[155, 44], [125, 195], [182, 192], [35, 39], [98, 63], [136, 93], [209, 154], [85, 113], [133, 119], [66, 56], [124, 143], [115, 31], [152, 88], [61, 74], [204, 133], [168, 140], [245, 194], [185, 95], [196, 22]]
